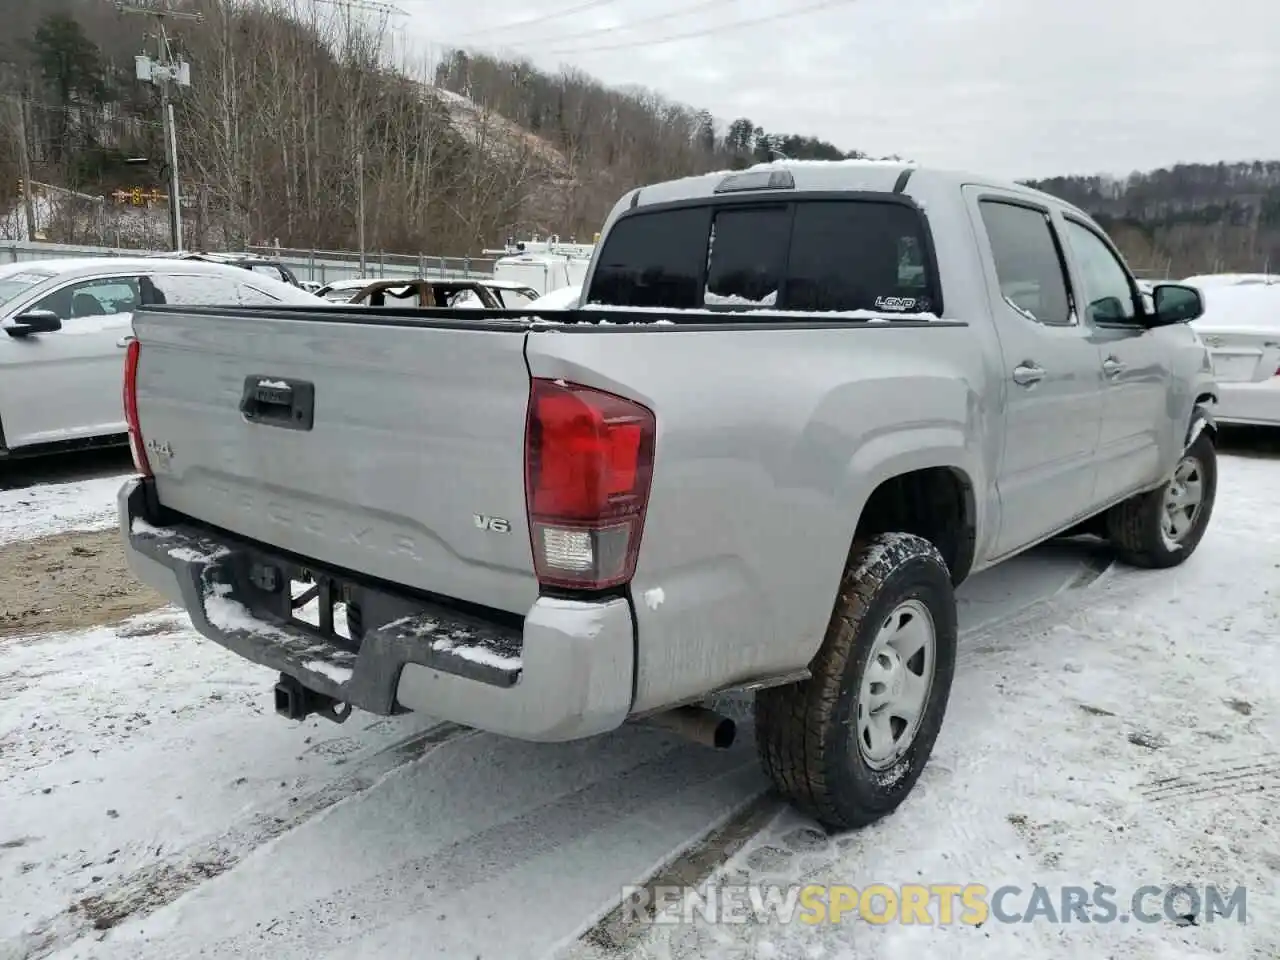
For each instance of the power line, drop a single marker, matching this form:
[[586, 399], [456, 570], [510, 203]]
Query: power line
[[706, 31], [95, 110], [589, 5], [629, 25], [371, 6]]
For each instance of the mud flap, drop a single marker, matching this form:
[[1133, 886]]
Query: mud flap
[[1201, 420]]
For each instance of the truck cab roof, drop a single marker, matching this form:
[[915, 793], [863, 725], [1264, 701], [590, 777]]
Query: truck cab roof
[[836, 176]]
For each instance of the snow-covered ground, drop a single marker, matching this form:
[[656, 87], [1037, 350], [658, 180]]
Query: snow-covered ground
[[45, 509], [1121, 730], [1126, 735]]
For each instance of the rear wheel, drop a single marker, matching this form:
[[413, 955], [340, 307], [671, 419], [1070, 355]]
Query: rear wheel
[[847, 745], [1163, 527]]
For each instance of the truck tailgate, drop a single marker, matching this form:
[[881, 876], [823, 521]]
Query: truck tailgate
[[395, 450]]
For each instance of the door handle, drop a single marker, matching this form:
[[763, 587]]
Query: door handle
[[125, 341], [1025, 374], [1111, 366]]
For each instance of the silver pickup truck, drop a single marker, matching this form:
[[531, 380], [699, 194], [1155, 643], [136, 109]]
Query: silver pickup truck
[[800, 405]]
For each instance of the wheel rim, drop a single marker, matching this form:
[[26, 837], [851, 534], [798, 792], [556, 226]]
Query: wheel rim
[[896, 684], [1183, 498]]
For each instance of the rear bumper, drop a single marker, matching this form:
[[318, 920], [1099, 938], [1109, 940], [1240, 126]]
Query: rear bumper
[[1249, 403], [564, 674]]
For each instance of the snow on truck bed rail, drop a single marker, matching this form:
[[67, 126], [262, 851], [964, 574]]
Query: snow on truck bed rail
[[722, 316]]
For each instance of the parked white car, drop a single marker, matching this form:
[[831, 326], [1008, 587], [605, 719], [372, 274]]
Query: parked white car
[[67, 321], [1231, 279], [1241, 328]]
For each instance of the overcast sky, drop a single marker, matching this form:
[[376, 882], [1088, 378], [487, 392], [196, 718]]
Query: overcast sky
[[1018, 88]]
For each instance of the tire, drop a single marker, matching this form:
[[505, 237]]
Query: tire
[[808, 734], [1137, 527]]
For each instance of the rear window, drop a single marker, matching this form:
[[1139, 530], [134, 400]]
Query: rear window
[[270, 269], [809, 255], [654, 260], [747, 256], [859, 255]]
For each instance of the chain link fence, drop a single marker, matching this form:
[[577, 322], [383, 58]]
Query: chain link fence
[[136, 223], [319, 266], [325, 266]]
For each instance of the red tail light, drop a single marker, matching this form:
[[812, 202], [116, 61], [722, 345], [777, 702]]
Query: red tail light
[[588, 466], [140, 462]]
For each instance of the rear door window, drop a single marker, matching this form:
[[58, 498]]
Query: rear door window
[[1029, 265]]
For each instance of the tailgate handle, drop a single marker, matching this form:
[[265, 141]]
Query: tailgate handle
[[278, 402]]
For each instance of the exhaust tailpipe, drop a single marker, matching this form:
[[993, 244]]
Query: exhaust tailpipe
[[698, 724]]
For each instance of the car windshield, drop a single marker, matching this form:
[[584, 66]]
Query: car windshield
[[14, 285]]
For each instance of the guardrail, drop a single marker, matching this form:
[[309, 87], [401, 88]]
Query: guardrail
[[321, 266]]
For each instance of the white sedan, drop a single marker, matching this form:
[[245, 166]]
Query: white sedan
[[1241, 328], [62, 358]]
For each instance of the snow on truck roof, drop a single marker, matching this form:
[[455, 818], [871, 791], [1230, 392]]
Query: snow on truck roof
[[873, 176]]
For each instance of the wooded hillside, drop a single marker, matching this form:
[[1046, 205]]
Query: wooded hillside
[[285, 96], [457, 154], [1193, 218]]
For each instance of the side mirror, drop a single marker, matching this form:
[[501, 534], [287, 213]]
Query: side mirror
[[33, 321], [1175, 303]]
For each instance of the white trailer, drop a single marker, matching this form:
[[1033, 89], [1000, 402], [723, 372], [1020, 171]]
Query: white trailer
[[544, 265]]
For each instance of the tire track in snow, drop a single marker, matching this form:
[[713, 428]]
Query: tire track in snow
[[689, 868], [1211, 782], [1073, 595], [154, 886], [324, 926]]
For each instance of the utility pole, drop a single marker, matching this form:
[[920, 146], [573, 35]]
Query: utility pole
[[162, 71], [360, 207], [171, 148], [24, 167]]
